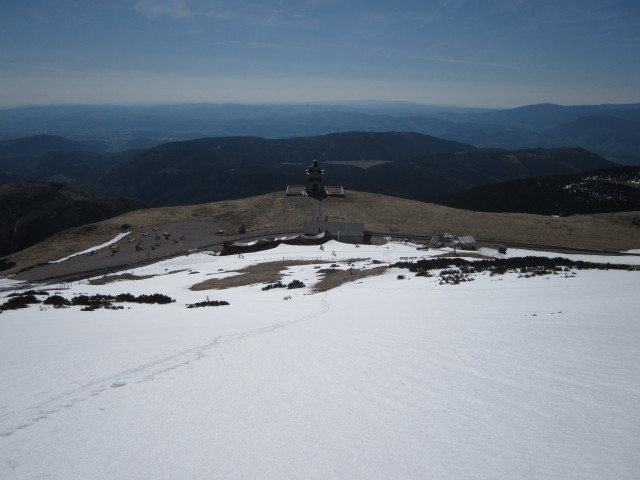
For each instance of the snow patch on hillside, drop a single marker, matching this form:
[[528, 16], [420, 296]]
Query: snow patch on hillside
[[93, 249], [499, 378]]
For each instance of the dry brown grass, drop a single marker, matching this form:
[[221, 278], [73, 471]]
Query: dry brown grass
[[118, 278], [333, 278], [272, 272], [275, 211], [125, 276], [268, 272]]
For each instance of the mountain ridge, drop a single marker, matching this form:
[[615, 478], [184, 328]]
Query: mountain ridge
[[405, 164], [614, 189], [33, 211], [117, 127], [410, 165]]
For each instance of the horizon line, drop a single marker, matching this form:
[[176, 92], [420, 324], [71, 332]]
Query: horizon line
[[298, 103]]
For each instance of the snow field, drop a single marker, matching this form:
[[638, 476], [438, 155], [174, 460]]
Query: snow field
[[498, 378]]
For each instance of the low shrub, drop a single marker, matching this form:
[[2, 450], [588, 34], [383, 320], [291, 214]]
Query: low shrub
[[93, 302], [57, 301], [457, 270], [273, 285], [22, 301], [500, 266], [295, 284], [158, 298], [125, 297], [208, 303], [88, 302], [106, 301], [29, 292], [454, 277]]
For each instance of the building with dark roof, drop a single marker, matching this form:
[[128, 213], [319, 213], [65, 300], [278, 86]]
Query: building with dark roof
[[341, 231]]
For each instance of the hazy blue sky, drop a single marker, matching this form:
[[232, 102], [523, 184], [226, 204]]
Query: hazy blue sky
[[501, 53]]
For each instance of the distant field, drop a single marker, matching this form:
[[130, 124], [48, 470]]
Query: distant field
[[364, 164]]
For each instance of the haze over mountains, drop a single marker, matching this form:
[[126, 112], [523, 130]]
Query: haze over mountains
[[612, 131]]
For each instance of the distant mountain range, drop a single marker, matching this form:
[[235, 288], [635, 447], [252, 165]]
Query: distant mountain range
[[408, 165], [544, 116], [608, 190], [39, 145], [56, 159], [612, 131]]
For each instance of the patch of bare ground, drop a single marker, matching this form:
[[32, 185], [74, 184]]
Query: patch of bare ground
[[125, 276], [268, 272], [118, 278], [333, 277]]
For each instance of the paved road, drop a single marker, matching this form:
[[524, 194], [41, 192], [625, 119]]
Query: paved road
[[185, 237]]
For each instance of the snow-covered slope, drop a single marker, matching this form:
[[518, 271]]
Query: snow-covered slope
[[499, 378]]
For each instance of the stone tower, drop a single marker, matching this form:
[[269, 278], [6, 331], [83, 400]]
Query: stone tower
[[315, 183]]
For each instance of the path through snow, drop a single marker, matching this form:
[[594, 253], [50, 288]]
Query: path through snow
[[498, 378]]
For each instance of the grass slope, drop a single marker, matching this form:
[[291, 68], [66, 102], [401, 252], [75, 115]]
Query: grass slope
[[275, 212]]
